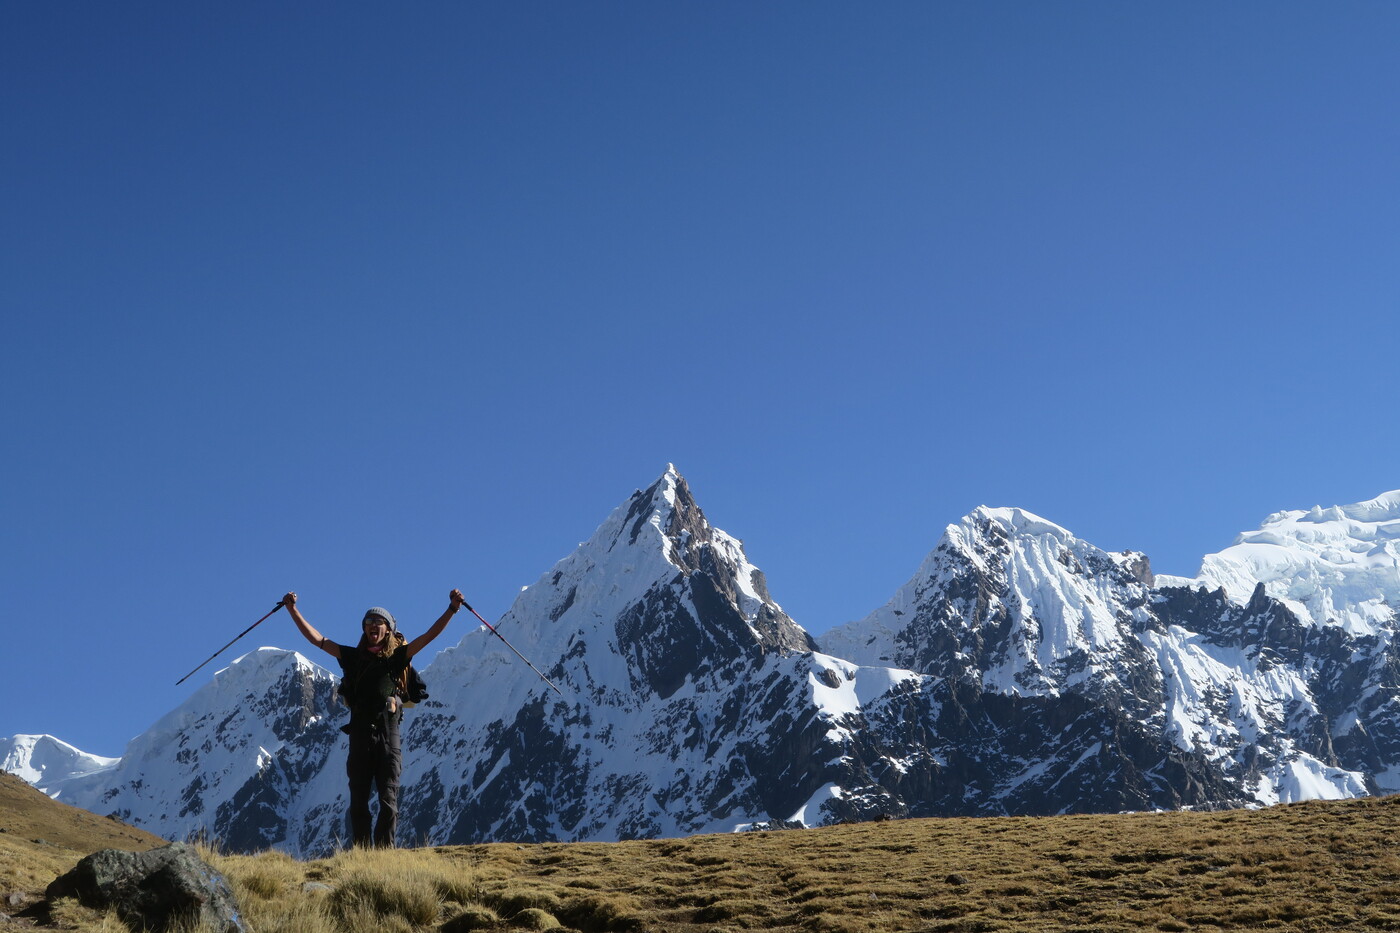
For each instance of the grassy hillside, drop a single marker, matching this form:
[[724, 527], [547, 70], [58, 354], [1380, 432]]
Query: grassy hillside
[[1314, 866], [40, 838]]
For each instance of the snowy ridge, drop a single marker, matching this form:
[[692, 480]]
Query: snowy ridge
[[1020, 670], [1334, 566], [1060, 606], [39, 759]]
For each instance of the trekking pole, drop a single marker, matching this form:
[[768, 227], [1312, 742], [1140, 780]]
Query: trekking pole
[[211, 657], [508, 645]]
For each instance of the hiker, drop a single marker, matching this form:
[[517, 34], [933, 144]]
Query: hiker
[[374, 676]]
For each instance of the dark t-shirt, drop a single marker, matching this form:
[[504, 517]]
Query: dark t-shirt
[[371, 679]]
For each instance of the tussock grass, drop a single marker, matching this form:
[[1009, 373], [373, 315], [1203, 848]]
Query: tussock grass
[[472, 918], [408, 889], [534, 918], [1304, 867], [267, 877], [67, 913]]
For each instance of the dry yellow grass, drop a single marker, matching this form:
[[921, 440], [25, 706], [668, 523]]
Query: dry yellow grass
[[1314, 866], [41, 838]]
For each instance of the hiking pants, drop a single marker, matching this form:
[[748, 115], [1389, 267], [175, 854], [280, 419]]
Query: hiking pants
[[375, 762]]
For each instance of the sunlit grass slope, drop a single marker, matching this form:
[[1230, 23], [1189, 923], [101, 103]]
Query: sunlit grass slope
[[41, 838], [1314, 866]]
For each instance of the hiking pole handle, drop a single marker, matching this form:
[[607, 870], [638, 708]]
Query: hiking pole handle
[[280, 604], [467, 606]]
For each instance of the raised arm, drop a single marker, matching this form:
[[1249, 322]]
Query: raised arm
[[418, 644], [313, 636]]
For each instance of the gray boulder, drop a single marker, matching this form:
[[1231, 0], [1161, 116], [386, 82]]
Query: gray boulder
[[154, 890]]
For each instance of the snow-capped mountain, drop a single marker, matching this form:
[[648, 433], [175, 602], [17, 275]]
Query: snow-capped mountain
[[1260, 704], [666, 645], [1336, 566], [250, 759], [1020, 670], [1015, 600], [40, 759]]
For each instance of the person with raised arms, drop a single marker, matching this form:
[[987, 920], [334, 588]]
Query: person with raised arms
[[375, 673]]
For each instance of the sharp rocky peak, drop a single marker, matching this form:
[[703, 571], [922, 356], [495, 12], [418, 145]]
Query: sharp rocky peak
[[669, 509], [1008, 598], [658, 588], [712, 607]]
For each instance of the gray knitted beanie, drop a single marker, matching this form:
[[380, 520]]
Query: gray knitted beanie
[[376, 612]]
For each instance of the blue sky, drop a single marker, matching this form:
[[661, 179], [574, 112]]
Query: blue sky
[[370, 302]]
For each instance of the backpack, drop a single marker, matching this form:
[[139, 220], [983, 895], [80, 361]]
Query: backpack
[[414, 690], [410, 689]]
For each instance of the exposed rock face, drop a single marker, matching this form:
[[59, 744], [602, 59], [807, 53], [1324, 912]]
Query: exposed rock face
[[160, 889]]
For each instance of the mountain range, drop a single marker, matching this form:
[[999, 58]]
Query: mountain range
[[1020, 671]]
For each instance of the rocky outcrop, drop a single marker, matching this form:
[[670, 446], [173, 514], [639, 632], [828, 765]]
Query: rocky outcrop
[[160, 889]]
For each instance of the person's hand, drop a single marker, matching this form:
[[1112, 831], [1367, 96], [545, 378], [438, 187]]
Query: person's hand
[[393, 705], [458, 600], [289, 600]]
